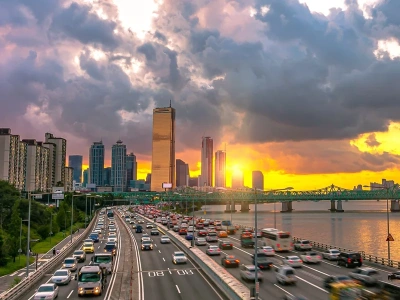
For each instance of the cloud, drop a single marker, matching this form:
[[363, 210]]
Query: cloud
[[371, 141]]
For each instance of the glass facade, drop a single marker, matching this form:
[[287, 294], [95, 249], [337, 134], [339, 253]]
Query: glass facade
[[118, 167], [131, 168], [258, 180], [75, 161], [96, 163], [163, 153], [206, 162], [220, 167]]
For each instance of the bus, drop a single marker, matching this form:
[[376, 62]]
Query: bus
[[279, 240]]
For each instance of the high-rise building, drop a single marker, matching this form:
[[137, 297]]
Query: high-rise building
[[148, 179], [85, 177], [69, 179], [182, 173], [193, 181], [75, 161], [107, 176], [37, 166], [118, 166], [220, 168], [131, 168], [258, 180], [96, 163], [163, 148], [9, 156], [61, 157], [23, 147], [206, 178], [237, 180], [52, 163]]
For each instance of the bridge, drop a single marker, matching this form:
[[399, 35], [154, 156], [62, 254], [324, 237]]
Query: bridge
[[244, 197]]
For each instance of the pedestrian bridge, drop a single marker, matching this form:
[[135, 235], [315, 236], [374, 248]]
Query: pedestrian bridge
[[244, 197]]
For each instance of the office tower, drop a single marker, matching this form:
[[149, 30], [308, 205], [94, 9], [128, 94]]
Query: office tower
[[52, 163], [206, 162], [182, 173], [96, 163], [163, 148], [131, 168], [193, 181], [107, 176], [37, 166], [258, 180], [60, 157], [75, 161], [23, 147], [237, 180], [220, 168], [68, 179], [148, 179], [85, 177], [118, 166], [9, 156]]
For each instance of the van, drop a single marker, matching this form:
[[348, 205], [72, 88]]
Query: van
[[349, 259]]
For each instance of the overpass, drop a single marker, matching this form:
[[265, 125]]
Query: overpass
[[244, 197]]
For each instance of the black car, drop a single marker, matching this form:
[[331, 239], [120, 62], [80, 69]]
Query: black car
[[139, 229], [110, 248], [154, 232], [263, 261], [349, 259], [147, 245], [394, 275], [225, 245]]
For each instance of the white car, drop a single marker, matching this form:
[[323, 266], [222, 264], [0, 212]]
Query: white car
[[112, 229], [178, 257], [286, 275], [46, 291], [149, 225], [61, 277], [267, 250], [311, 257], [165, 239], [293, 261], [112, 239], [146, 239], [110, 234], [213, 250], [331, 254]]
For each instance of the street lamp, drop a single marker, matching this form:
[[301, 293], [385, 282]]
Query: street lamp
[[277, 190], [86, 208], [51, 226], [387, 188], [20, 240], [72, 213], [29, 233]]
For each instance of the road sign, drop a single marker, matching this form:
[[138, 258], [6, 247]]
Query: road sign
[[389, 238]]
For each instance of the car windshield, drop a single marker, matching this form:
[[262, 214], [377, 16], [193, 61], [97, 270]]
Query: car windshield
[[78, 252], [102, 259], [343, 278], [61, 273], [46, 288], [213, 247], [179, 254], [88, 245], [109, 246], [89, 277], [69, 261], [335, 252], [212, 234], [164, 237], [292, 257], [305, 242], [289, 272], [146, 242], [312, 253], [94, 235], [268, 248]]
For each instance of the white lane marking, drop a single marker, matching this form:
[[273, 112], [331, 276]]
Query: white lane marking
[[163, 259], [159, 251], [15, 273], [316, 270], [283, 289], [69, 295], [316, 286], [98, 247], [21, 274], [169, 271], [331, 264], [155, 245], [178, 289]]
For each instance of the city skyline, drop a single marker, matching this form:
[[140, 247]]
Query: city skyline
[[309, 102]]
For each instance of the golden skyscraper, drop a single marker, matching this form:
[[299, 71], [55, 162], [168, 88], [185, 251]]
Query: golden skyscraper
[[163, 155]]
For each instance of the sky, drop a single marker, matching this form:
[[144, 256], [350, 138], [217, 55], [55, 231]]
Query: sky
[[304, 90]]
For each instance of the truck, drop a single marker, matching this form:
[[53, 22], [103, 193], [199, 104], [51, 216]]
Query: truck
[[91, 280], [104, 260]]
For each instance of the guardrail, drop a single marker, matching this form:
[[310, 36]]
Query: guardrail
[[365, 256], [28, 282], [232, 287]]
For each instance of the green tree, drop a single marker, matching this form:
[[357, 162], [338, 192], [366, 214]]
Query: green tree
[[13, 231], [62, 216], [8, 195], [3, 258]]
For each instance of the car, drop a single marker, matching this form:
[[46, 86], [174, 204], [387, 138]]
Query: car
[[165, 239], [212, 237], [229, 261], [145, 239], [267, 250], [145, 236], [139, 229], [70, 263], [225, 245], [293, 261], [94, 236], [394, 275], [285, 275], [61, 277], [149, 225], [189, 236], [154, 232], [112, 239], [202, 233], [303, 245], [311, 257], [182, 231], [110, 234], [147, 245], [112, 229], [213, 250], [263, 261], [134, 226], [175, 228], [248, 273], [328, 281], [199, 241], [88, 247], [367, 276], [178, 257], [46, 291], [349, 259], [80, 255], [110, 248], [331, 254]]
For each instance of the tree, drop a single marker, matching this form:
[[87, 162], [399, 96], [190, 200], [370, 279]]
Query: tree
[[13, 231], [8, 195], [3, 258]]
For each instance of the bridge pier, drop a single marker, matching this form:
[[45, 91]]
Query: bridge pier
[[230, 207], [244, 207], [286, 206], [333, 206], [394, 205], [338, 207]]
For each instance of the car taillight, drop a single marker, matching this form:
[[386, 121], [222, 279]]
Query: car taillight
[[308, 257], [278, 245], [237, 261], [227, 261], [361, 259], [319, 257], [290, 260], [349, 260]]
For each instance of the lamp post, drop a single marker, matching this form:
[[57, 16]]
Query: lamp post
[[256, 246], [193, 222], [20, 240], [72, 213], [387, 188], [86, 208], [28, 235], [51, 226]]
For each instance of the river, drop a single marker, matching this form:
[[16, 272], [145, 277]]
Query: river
[[362, 226]]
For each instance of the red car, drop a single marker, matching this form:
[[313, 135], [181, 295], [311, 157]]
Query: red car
[[202, 233], [182, 231]]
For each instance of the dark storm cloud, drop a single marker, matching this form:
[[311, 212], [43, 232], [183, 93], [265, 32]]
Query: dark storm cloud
[[148, 50], [371, 141]]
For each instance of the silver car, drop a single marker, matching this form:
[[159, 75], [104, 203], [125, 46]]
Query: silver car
[[213, 250], [248, 272], [70, 263], [367, 276], [61, 277], [46, 291], [178, 257], [200, 241], [165, 239], [331, 254]]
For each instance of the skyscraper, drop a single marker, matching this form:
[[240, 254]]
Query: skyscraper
[[131, 168], [9, 156], [206, 162], [258, 180], [85, 177], [220, 167], [118, 166], [163, 152], [96, 163], [60, 157], [237, 180], [182, 173], [75, 161], [107, 176], [37, 166]]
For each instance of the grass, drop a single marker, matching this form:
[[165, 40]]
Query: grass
[[45, 245], [11, 266]]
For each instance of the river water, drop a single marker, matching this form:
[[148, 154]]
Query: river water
[[362, 226]]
